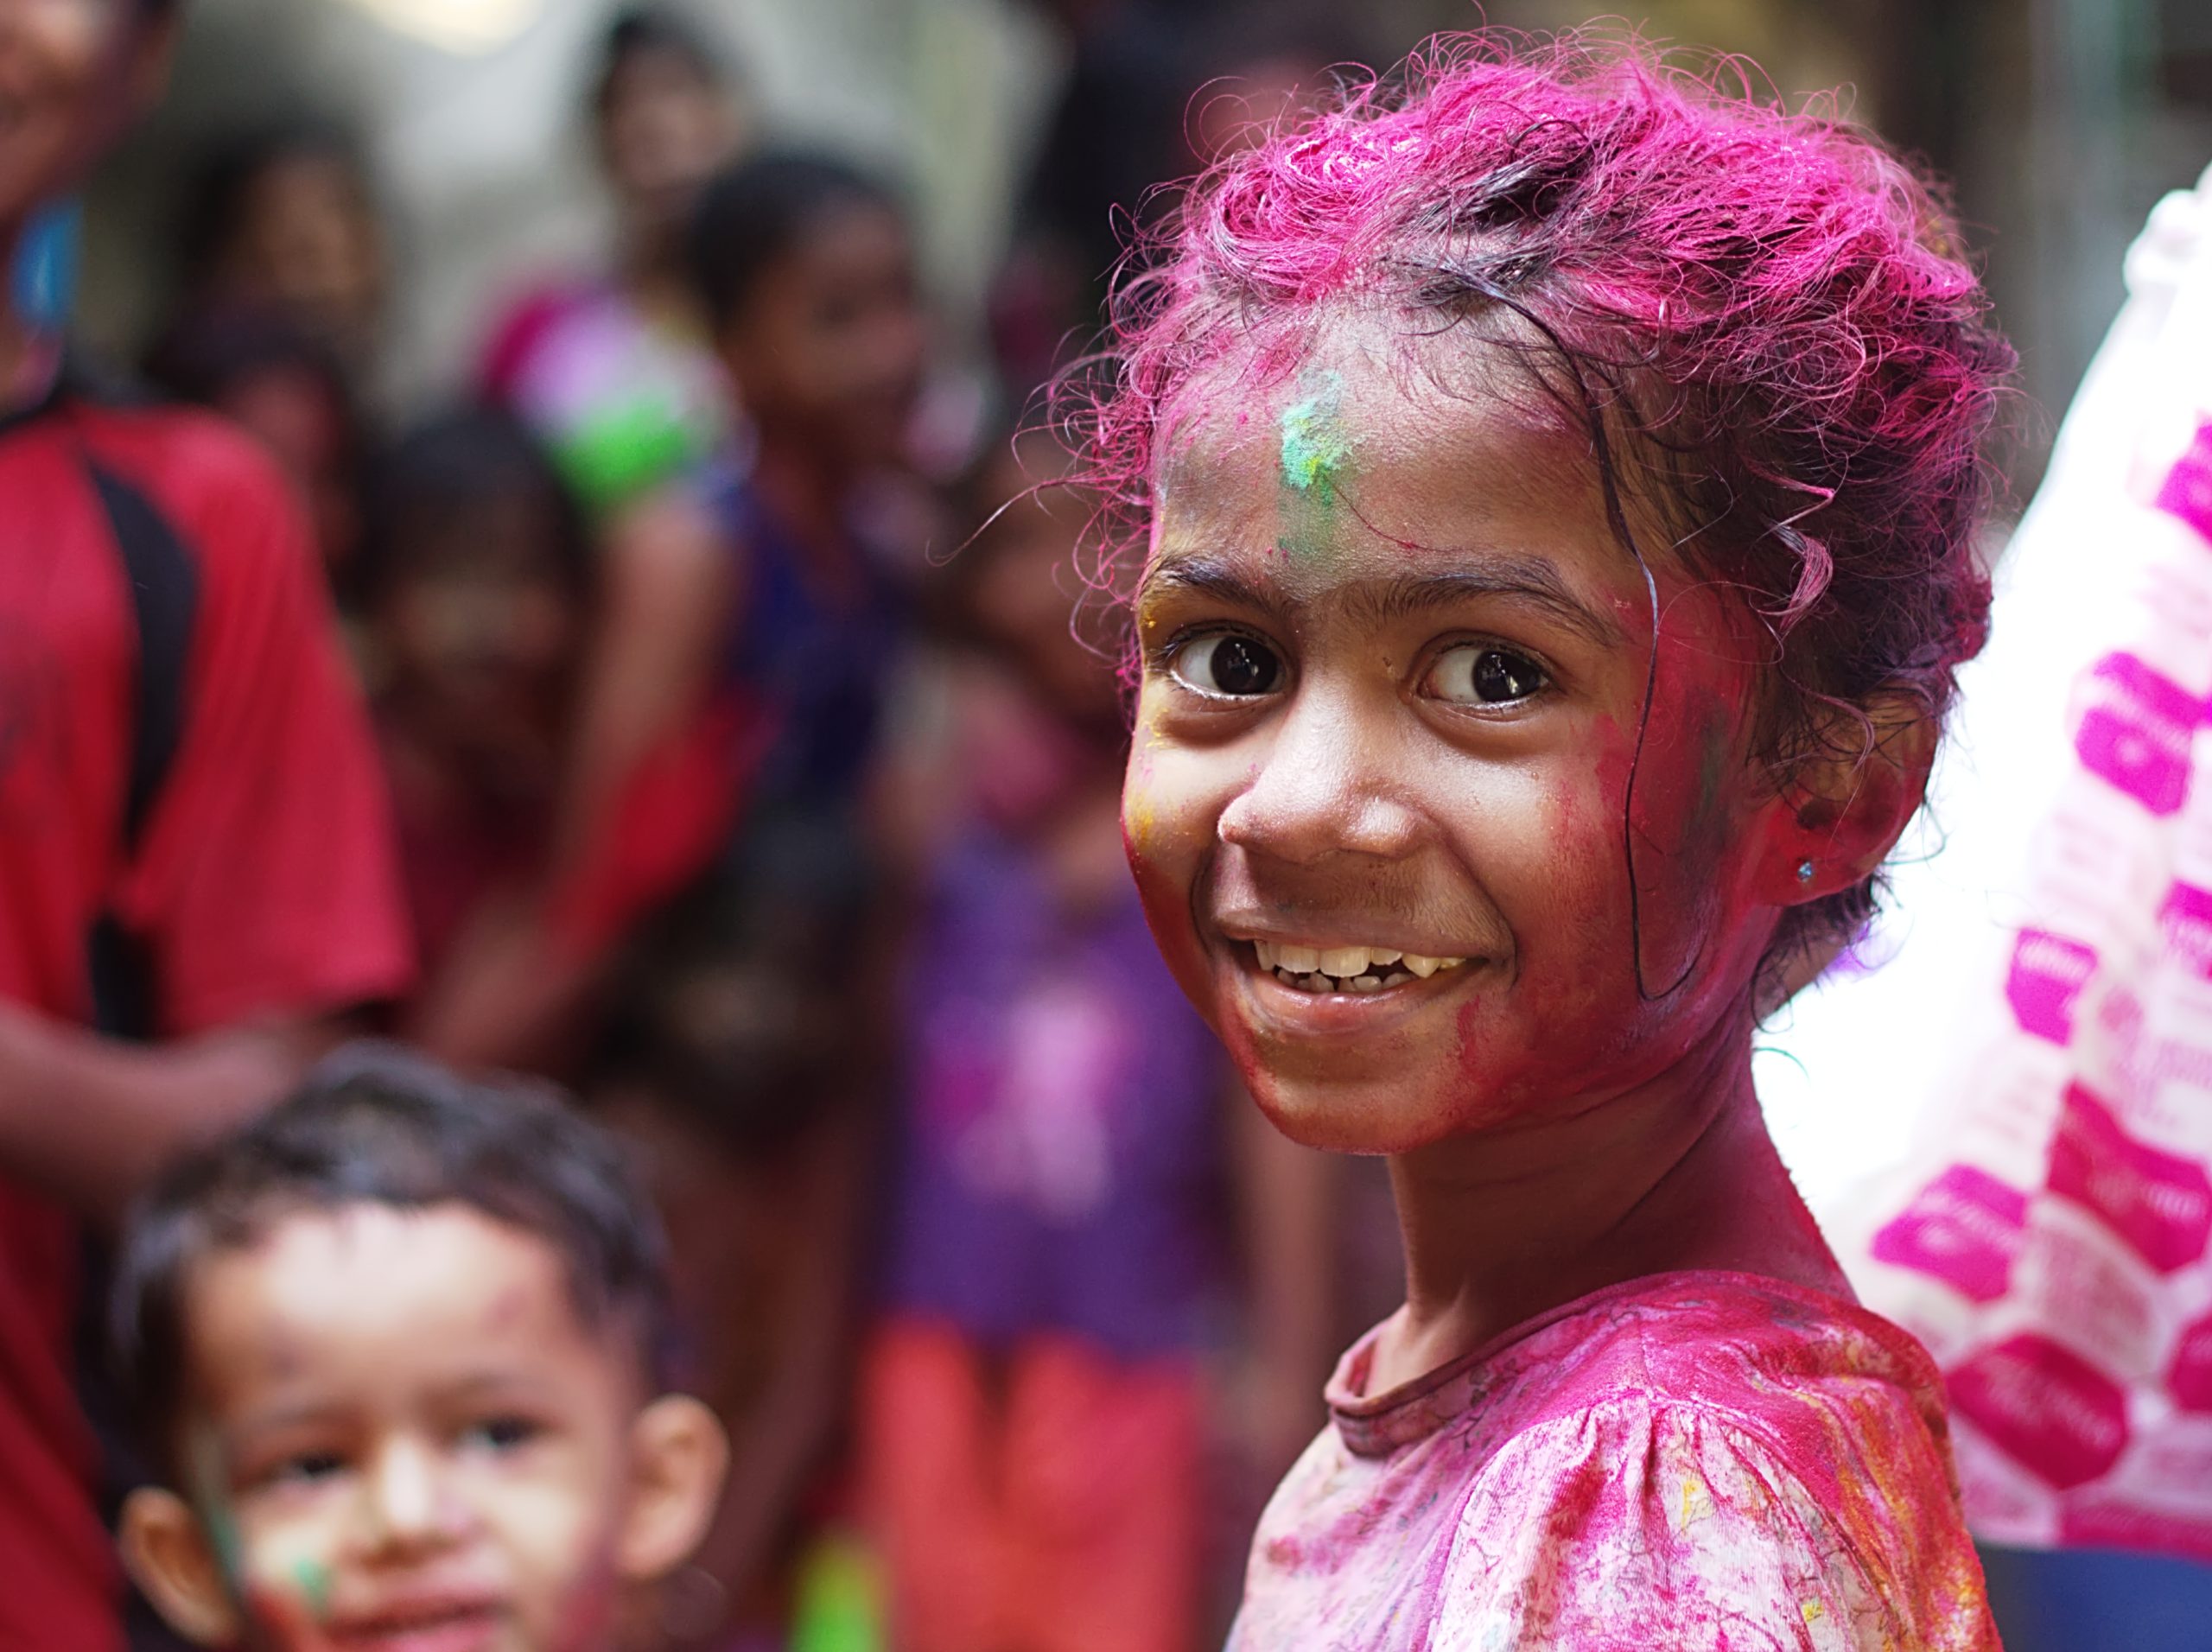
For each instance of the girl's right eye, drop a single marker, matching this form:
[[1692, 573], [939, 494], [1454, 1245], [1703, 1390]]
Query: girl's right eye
[[1227, 666]]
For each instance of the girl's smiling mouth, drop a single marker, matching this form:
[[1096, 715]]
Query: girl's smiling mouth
[[1302, 989], [1347, 969]]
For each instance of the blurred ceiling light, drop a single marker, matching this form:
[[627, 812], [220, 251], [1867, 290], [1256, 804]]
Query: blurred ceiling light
[[466, 26]]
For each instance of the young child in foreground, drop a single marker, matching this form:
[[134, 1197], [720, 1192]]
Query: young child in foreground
[[1559, 485], [393, 1347]]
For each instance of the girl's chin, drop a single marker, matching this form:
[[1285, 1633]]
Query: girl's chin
[[1372, 1116]]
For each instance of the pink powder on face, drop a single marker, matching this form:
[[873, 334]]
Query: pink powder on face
[[1742, 1461]]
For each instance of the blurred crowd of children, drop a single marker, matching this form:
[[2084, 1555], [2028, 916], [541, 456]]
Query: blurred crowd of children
[[789, 841]]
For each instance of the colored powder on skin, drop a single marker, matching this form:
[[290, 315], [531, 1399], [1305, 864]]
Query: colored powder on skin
[[204, 1460], [1315, 446], [1316, 457], [313, 1579], [1139, 818]]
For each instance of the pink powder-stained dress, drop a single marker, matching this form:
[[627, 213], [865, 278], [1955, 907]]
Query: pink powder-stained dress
[[1698, 1462]]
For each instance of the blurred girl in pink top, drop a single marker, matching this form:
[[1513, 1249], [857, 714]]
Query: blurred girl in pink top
[[1551, 488]]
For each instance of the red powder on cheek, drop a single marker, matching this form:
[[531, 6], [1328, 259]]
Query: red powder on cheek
[[1683, 828], [1572, 999]]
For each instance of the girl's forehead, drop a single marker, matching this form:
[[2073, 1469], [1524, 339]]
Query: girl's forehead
[[1379, 445], [1371, 390]]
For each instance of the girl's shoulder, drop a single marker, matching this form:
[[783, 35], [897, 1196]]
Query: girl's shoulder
[[1737, 1455]]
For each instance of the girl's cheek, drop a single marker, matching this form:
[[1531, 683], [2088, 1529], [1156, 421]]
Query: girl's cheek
[[1570, 908], [1166, 828], [1164, 883], [1163, 802]]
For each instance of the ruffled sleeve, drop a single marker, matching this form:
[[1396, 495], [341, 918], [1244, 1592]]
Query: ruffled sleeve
[[1638, 1524]]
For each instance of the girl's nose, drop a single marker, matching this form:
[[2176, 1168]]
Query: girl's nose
[[1326, 785]]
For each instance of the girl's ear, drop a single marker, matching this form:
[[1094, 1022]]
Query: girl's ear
[[678, 1457], [167, 1553], [1847, 805]]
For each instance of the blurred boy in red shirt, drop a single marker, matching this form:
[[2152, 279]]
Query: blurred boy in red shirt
[[193, 844]]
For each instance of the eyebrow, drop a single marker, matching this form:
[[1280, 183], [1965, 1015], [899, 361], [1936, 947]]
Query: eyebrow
[[1531, 580], [1209, 578]]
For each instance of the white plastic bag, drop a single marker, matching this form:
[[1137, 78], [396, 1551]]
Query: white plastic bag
[[2006, 1127]]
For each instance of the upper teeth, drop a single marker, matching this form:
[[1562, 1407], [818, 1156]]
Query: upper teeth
[[1345, 963]]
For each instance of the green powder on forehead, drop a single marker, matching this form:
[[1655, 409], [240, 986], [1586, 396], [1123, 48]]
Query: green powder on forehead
[[1315, 445]]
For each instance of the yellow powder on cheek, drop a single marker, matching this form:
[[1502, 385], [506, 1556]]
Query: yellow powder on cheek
[[1140, 820]]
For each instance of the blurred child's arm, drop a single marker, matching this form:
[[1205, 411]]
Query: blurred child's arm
[[1287, 1202], [91, 1119], [665, 589]]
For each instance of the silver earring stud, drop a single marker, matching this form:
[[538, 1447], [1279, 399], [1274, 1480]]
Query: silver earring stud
[[1804, 872]]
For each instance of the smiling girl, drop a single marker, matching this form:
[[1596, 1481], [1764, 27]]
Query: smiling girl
[[1559, 486]]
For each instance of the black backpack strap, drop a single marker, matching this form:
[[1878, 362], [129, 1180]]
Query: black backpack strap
[[164, 586]]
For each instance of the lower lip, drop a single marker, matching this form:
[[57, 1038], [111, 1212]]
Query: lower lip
[[1293, 1012]]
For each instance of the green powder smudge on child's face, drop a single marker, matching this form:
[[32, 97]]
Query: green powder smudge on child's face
[[313, 1579], [1315, 446], [208, 1485]]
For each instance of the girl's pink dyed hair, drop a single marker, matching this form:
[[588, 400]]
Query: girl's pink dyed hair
[[1767, 315]]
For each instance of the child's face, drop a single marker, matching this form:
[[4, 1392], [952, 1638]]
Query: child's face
[[402, 1434], [829, 344], [311, 244], [1395, 661], [75, 73], [664, 129], [481, 626], [1023, 596]]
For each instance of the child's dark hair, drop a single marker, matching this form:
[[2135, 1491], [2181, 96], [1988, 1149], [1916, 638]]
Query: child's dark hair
[[377, 1125], [726, 1013], [447, 464], [757, 210], [641, 31], [210, 354], [1761, 323]]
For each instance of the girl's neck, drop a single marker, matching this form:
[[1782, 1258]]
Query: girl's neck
[[1678, 1173]]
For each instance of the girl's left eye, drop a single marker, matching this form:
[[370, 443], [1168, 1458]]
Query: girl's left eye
[[1482, 673]]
